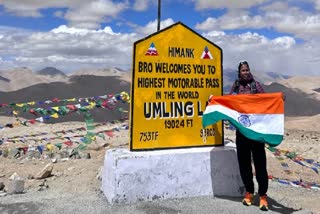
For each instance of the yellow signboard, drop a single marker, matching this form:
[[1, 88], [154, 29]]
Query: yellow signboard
[[174, 72]]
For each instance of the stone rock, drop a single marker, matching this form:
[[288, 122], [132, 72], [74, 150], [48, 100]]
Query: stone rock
[[88, 156], [71, 168], [64, 159], [14, 176], [43, 185], [45, 172], [1, 186], [50, 155], [5, 153], [58, 174], [2, 194], [63, 155], [30, 177], [33, 154], [99, 174], [73, 153], [16, 184]]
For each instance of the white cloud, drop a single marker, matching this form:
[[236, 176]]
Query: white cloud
[[82, 31], [140, 5], [69, 48], [291, 19], [71, 30], [92, 14], [72, 48], [80, 13], [231, 22], [82, 43], [32, 7], [278, 16], [282, 54], [317, 4], [151, 27], [284, 42], [59, 14], [209, 4], [301, 26], [216, 34]]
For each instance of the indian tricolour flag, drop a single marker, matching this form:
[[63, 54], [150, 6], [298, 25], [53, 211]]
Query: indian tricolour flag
[[259, 117]]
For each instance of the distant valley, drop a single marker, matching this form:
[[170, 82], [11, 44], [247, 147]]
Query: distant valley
[[23, 85]]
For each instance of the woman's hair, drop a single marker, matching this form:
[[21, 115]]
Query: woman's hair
[[239, 66]]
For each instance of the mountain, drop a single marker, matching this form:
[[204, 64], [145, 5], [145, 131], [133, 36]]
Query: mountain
[[21, 85], [3, 79], [297, 102], [303, 93], [230, 75], [277, 75], [18, 78], [51, 71], [124, 75], [100, 72], [82, 86], [309, 85]]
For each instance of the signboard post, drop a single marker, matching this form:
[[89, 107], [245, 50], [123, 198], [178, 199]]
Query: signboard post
[[174, 72]]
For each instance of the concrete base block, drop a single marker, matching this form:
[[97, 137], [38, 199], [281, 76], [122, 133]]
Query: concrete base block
[[129, 177]]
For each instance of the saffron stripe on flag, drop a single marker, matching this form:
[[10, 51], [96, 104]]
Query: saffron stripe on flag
[[266, 103]]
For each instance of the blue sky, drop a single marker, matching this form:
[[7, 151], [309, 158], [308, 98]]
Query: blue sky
[[278, 36]]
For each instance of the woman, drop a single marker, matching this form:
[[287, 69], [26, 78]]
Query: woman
[[247, 149]]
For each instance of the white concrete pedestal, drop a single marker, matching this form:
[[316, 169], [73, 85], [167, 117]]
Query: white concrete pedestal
[[144, 176]]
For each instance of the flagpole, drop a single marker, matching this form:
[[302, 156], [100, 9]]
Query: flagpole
[[159, 14]]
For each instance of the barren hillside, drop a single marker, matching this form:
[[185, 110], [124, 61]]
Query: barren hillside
[[309, 85]]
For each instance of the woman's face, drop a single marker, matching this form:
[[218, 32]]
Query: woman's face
[[245, 72]]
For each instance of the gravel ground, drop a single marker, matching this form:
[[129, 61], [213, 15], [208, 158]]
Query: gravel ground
[[74, 187], [283, 199]]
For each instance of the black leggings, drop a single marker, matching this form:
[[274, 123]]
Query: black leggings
[[246, 148]]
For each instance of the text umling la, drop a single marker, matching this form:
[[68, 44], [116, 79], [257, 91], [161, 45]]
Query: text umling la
[[165, 110]]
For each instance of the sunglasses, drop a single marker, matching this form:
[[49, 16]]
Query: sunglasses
[[243, 63]]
